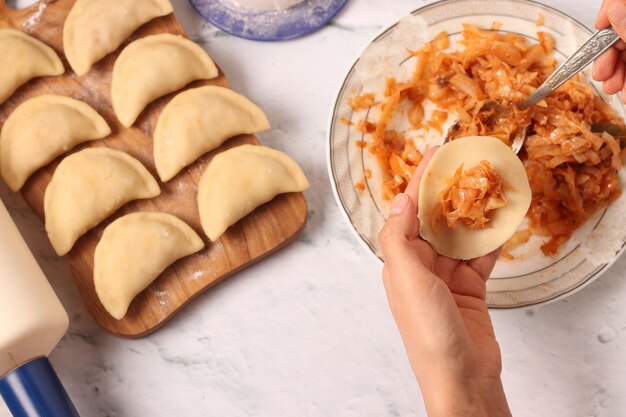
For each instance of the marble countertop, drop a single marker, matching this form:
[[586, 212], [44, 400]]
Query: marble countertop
[[307, 332]]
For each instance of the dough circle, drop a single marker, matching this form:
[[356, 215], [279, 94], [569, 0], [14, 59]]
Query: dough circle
[[463, 242]]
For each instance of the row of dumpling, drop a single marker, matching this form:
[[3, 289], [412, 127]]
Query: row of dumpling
[[90, 185]]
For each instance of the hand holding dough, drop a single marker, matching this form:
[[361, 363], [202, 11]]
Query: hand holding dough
[[42, 128], [199, 120], [239, 180], [134, 250], [23, 58], [463, 242], [152, 67], [89, 186], [95, 28]]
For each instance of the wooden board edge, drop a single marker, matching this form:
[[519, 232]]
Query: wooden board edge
[[12, 18], [222, 278]]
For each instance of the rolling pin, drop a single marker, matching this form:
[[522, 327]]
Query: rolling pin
[[32, 322]]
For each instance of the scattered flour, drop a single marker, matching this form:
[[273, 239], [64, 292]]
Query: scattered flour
[[33, 19], [197, 275], [181, 187], [160, 294]]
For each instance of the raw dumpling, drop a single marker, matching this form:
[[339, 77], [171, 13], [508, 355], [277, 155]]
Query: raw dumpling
[[199, 120], [95, 28], [89, 186], [24, 58], [239, 180], [463, 242], [152, 67], [42, 128], [121, 268]]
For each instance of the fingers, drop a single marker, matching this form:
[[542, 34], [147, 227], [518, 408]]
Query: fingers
[[399, 244], [484, 265], [616, 15], [401, 227], [602, 20], [616, 81], [604, 67], [413, 188]]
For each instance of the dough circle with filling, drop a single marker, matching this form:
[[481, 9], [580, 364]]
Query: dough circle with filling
[[463, 242]]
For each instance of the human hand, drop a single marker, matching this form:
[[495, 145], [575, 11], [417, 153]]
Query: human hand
[[439, 306], [610, 67]]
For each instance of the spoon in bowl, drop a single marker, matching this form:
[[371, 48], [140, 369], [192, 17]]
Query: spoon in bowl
[[595, 46]]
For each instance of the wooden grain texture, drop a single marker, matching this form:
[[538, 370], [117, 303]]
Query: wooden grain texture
[[267, 229]]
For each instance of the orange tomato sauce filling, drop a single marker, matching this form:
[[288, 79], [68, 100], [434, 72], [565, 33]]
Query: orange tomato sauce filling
[[572, 170], [470, 197]]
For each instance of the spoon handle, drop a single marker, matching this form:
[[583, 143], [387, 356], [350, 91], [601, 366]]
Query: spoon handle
[[590, 50]]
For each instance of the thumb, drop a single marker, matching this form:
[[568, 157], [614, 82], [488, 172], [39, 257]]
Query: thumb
[[616, 12], [401, 226]]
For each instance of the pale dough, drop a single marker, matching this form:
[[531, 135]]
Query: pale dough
[[89, 186], [199, 120], [22, 59], [152, 67], [463, 242], [134, 250], [41, 129], [95, 28], [239, 180]]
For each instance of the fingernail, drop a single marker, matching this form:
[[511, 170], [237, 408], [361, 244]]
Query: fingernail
[[617, 15], [399, 203], [594, 71]]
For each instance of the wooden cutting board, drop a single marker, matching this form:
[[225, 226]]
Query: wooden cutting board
[[266, 230]]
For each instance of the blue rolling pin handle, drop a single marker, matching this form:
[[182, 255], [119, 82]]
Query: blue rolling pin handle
[[34, 390]]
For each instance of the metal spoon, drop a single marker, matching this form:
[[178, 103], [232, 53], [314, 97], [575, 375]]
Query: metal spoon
[[594, 47]]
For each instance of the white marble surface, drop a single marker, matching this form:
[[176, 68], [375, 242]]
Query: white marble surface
[[307, 332]]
